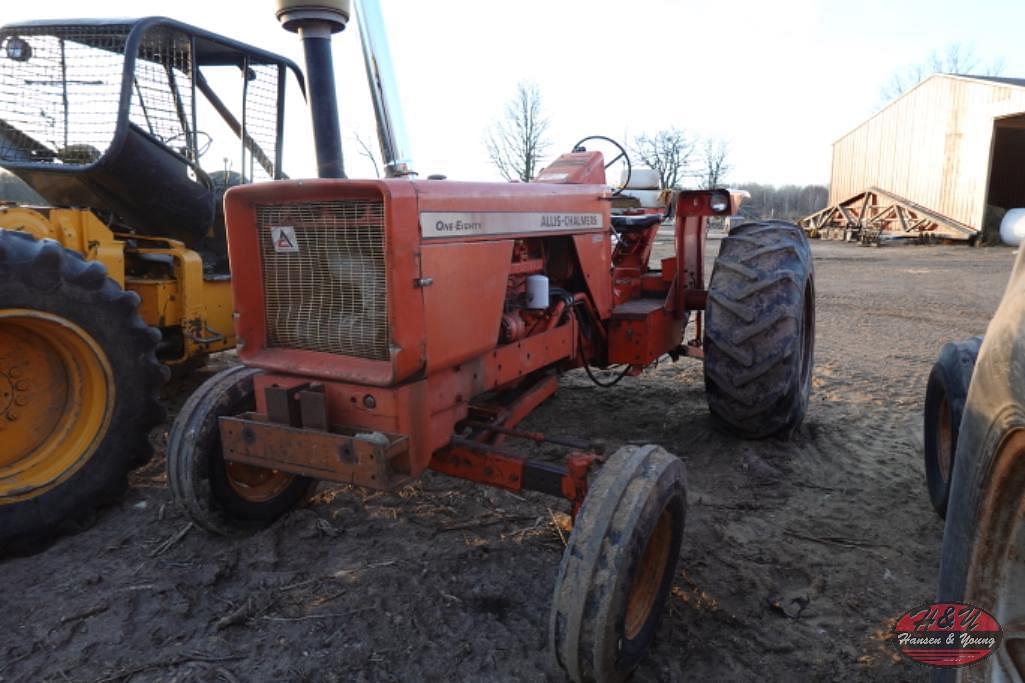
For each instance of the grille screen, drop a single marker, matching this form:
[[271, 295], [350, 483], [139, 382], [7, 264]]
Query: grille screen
[[329, 294]]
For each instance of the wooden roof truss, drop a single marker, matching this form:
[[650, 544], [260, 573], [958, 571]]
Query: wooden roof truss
[[875, 215]]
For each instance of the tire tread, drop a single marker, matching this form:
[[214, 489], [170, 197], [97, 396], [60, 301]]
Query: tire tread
[[42, 273], [756, 294]]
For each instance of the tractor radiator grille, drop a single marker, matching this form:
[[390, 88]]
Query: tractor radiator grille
[[330, 293]]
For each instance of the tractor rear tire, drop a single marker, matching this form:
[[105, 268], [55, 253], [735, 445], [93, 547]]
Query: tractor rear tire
[[945, 396], [618, 567], [79, 390], [759, 337], [227, 499]]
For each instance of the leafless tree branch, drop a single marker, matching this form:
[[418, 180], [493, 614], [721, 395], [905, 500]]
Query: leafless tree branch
[[955, 58], [714, 162], [368, 152], [516, 143], [668, 152]]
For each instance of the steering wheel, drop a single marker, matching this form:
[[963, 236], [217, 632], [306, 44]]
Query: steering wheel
[[201, 149], [201, 175], [622, 155]]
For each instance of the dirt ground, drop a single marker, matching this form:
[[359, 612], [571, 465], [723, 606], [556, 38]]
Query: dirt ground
[[797, 556]]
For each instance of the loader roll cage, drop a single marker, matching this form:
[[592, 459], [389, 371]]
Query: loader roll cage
[[100, 112]]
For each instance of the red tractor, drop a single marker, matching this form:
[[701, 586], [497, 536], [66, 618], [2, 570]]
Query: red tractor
[[387, 327]]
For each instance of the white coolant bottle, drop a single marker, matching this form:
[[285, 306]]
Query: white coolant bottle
[[537, 292]]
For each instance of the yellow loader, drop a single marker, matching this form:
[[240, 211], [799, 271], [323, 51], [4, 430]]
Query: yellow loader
[[131, 131]]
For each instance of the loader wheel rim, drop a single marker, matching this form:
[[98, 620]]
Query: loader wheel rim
[[997, 566], [256, 484], [649, 575], [56, 401]]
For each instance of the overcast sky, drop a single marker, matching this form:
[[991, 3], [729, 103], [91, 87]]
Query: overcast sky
[[780, 81]]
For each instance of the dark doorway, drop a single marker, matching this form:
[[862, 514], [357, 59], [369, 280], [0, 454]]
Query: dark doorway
[[1006, 173], [1007, 165]]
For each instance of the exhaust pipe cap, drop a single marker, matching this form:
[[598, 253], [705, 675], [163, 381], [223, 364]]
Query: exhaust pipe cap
[[295, 14]]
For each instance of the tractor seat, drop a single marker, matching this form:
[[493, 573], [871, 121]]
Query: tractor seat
[[623, 223]]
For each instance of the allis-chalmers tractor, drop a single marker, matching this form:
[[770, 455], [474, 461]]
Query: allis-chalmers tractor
[[127, 130], [388, 327]]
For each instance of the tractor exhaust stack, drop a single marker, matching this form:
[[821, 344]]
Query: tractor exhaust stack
[[315, 21], [391, 129]]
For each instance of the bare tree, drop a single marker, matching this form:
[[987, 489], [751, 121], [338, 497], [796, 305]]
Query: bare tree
[[366, 151], [517, 142], [714, 162], [953, 59], [668, 152]]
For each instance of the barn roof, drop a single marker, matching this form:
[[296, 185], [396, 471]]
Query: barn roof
[[991, 80], [1020, 82]]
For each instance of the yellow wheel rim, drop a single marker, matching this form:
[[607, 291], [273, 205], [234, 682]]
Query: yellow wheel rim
[[56, 400], [256, 484], [650, 572]]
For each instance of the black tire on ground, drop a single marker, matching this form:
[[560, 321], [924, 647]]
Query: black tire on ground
[[43, 277], [982, 561], [759, 337], [945, 396], [198, 474], [619, 564]]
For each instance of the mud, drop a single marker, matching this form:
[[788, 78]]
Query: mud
[[797, 556]]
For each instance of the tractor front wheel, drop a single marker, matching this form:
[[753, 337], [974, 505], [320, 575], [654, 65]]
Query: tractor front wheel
[[760, 330], [223, 497], [79, 389], [618, 567]]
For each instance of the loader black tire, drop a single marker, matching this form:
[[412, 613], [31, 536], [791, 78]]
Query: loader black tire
[[982, 560], [759, 336], [201, 480], [945, 396], [52, 304], [618, 567]]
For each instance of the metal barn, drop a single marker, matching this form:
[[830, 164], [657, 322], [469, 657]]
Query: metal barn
[[945, 159]]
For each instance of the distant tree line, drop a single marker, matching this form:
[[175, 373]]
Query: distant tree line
[[787, 202], [13, 189]]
